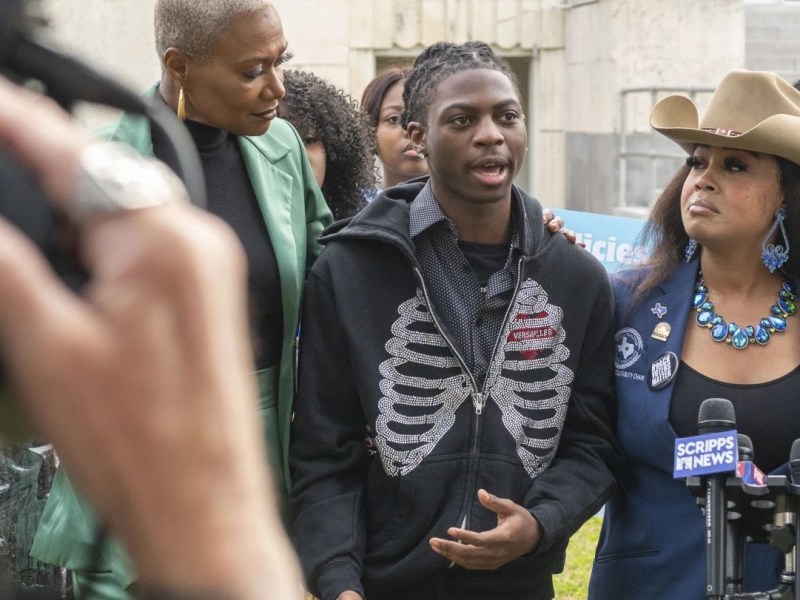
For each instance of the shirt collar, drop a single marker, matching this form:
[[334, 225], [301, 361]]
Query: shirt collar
[[425, 212]]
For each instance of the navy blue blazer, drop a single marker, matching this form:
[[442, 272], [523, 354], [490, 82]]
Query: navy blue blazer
[[651, 544]]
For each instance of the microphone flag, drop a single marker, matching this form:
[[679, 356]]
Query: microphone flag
[[750, 474], [706, 454]]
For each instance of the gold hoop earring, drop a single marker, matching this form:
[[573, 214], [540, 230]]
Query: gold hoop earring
[[181, 105]]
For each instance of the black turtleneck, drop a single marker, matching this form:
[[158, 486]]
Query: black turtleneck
[[232, 198]]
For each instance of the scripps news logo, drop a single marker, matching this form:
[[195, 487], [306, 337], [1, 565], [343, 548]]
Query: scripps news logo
[[705, 454]]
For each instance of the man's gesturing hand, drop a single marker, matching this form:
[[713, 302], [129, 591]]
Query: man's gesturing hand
[[517, 533]]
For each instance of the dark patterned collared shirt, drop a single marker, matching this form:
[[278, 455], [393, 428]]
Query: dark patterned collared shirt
[[472, 313]]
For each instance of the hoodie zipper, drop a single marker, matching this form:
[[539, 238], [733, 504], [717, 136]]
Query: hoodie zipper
[[473, 386], [478, 397]]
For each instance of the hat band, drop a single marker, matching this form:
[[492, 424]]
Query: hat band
[[725, 132]]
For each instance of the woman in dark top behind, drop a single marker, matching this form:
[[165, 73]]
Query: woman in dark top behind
[[382, 101], [220, 73]]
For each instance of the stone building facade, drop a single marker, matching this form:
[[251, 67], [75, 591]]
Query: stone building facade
[[589, 69]]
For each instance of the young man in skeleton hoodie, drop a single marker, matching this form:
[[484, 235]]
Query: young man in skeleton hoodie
[[454, 418]]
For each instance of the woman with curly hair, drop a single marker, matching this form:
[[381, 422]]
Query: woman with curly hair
[[336, 137]]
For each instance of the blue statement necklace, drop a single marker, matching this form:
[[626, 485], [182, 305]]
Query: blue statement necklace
[[741, 337]]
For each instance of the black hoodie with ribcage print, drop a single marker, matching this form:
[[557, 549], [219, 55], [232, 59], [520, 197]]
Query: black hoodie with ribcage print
[[392, 439]]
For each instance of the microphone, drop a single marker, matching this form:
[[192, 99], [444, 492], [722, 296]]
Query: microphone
[[716, 415], [734, 550], [746, 470], [783, 533], [794, 479], [745, 447], [794, 462]]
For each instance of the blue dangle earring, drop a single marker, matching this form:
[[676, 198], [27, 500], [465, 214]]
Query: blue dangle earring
[[690, 249], [774, 256]]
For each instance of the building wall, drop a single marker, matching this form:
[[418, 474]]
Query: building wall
[[580, 56], [773, 38], [635, 44], [116, 35]]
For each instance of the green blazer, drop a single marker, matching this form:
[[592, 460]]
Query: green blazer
[[295, 213]]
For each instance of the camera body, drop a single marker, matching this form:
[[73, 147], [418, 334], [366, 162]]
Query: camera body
[[18, 19], [21, 198], [22, 201]]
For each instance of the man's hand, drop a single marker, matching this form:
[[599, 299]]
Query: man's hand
[[517, 533], [348, 595]]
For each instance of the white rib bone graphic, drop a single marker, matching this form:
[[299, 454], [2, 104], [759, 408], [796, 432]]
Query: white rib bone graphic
[[529, 380], [442, 391], [417, 411]]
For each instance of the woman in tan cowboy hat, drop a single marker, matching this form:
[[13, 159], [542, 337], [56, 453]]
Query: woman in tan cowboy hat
[[710, 315]]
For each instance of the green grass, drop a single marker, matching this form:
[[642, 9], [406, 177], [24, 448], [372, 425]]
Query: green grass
[[573, 583]]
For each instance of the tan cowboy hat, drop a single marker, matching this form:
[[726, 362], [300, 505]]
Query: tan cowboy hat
[[750, 110]]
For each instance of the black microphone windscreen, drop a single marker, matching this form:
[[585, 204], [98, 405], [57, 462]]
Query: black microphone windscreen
[[716, 414], [795, 452], [794, 462], [745, 446]]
